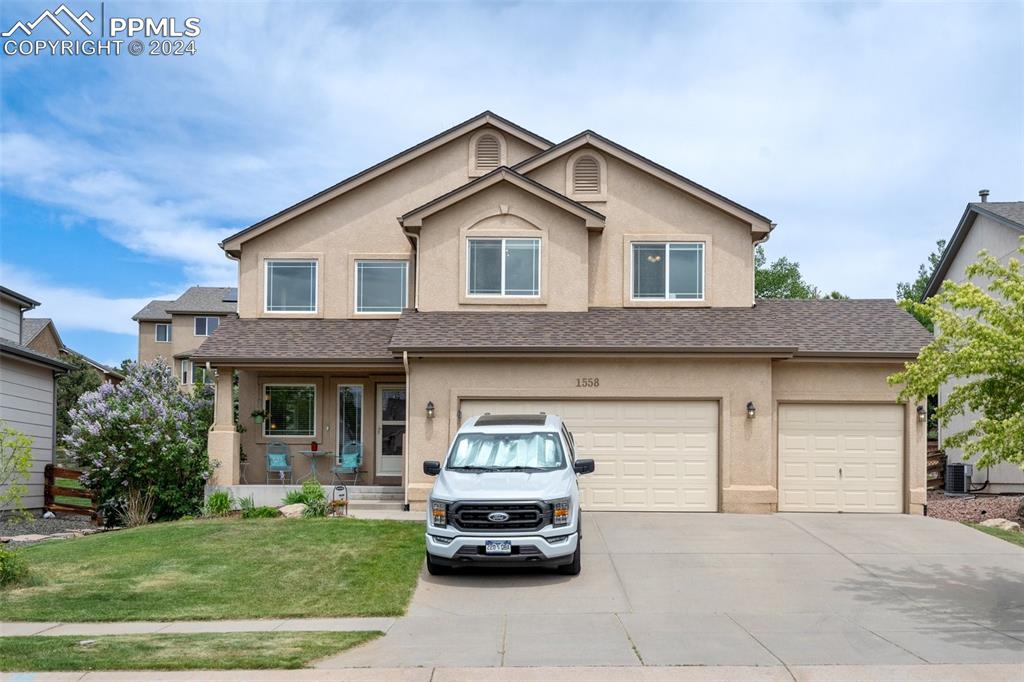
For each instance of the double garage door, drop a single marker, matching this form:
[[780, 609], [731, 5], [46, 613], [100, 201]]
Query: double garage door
[[662, 455], [649, 455]]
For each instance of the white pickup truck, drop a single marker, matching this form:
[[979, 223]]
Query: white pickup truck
[[506, 495]]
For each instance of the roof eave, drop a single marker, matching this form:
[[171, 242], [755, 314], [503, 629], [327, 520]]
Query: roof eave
[[32, 356]]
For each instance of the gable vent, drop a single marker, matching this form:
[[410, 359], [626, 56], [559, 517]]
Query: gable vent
[[488, 152], [586, 176]]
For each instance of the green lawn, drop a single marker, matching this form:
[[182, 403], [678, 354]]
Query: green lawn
[[1015, 537], [220, 651], [224, 568]]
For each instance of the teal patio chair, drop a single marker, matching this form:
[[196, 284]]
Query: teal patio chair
[[349, 461], [279, 461]]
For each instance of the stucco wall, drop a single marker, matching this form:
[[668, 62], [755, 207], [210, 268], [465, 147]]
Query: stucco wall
[[360, 223], [443, 243], [748, 447], [26, 404], [1002, 242], [856, 382], [641, 206]]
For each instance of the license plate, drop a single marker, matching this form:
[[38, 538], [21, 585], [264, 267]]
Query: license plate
[[497, 546]]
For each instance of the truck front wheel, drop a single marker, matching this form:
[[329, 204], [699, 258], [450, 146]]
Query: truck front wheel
[[573, 567]]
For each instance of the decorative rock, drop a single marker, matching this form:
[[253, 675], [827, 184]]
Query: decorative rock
[[49, 515], [1001, 524], [292, 511]]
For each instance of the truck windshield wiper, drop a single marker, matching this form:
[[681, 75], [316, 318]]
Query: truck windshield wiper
[[470, 468], [521, 469]]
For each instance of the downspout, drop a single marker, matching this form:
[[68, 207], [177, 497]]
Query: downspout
[[408, 403], [416, 264]]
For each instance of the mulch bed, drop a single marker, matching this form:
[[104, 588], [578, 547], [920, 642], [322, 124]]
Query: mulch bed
[[976, 508], [11, 525]]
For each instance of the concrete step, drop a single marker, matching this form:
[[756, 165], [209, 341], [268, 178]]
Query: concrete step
[[375, 505], [378, 497]]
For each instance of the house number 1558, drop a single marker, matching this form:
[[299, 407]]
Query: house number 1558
[[587, 382]]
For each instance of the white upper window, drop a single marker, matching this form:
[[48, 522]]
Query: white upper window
[[291, 286], [504, 267], [381, 286], [163, 332], [668, 271], [204, 326]]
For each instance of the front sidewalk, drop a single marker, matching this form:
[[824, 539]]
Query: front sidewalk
[[829, 673]]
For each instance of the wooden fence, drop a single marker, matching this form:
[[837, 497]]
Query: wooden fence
[[62, 492], [936, 467]]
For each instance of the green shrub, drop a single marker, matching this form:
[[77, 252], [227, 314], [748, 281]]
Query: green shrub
[[12, 567], [260, 513], [246, 504], [219, 503], [315, 499], [294, 497]]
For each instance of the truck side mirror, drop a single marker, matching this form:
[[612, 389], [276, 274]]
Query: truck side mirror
[[433, 468], [583, 466]]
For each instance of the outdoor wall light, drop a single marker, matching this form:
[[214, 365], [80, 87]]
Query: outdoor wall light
[[430, 409], [922, 413], [751, 410]]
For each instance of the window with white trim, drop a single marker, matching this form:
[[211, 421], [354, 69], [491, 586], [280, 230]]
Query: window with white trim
[[290, 286], [186, 368], [381, 286], [503, 267], [163, 332], [204, 326], [290, 409], [668, 271]]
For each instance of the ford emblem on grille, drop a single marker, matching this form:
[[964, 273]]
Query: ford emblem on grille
[[498, 517]]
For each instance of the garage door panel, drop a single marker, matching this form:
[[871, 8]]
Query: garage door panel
[[841, 458], [654, 455]]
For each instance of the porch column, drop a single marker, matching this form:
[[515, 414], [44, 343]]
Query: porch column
[[224, 441]]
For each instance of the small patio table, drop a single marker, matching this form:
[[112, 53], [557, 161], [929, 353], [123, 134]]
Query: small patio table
[[313, 456]]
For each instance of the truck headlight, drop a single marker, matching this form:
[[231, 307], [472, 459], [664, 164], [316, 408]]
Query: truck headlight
[[439, 514], [560, 512]]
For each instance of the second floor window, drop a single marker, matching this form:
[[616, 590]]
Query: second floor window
[[291, 286], [504, 267], [163, 333], [206, 325], [669, 271], [381, 286]]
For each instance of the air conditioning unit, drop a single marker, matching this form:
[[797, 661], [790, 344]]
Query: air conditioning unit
[[958, 478]]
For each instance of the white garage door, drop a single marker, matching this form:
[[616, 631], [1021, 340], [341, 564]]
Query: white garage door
[[841, 458], [650, 455]]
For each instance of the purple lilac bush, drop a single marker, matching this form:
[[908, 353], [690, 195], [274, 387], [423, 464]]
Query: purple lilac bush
[[144, 435]]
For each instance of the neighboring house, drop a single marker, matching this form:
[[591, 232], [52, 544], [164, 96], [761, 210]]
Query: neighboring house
[[27, 396], [578, 278], [40, 334], [172, 330], [996, 227]]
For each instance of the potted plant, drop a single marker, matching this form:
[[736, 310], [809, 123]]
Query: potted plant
[[258, 416]]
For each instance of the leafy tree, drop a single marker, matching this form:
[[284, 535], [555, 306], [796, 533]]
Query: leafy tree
[[981, 343], [82, 379], [144, 441], [914, 291], [15, 462], [782, 279]]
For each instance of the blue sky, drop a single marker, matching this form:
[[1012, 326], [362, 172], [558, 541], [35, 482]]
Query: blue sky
[[861, 129]]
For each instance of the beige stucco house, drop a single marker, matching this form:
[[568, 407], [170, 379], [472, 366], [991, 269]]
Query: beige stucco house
[[996, 227], [488, 269], [172, 330]]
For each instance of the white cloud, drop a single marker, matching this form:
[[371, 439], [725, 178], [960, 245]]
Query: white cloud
[[75, 308], [861, 129]]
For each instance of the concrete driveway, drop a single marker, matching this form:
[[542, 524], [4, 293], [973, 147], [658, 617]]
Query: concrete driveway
[[723, 589]]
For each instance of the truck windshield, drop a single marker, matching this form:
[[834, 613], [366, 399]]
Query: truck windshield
[[507, 452]]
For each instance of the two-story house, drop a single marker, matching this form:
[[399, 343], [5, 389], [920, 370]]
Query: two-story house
[[996, 227], [488, 269], [27, 395], [40, 334], [172, 330]]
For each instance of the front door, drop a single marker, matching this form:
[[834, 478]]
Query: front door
[[390, 430]]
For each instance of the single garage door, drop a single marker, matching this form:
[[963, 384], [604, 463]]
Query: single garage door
[[650, 455], [845, 458]]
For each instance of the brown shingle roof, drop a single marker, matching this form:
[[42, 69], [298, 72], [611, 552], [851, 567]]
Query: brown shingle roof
[[295, 341], [206, 300], [863, 328]]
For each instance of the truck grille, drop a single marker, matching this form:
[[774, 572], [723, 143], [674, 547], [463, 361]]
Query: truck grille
[[521, 516]]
